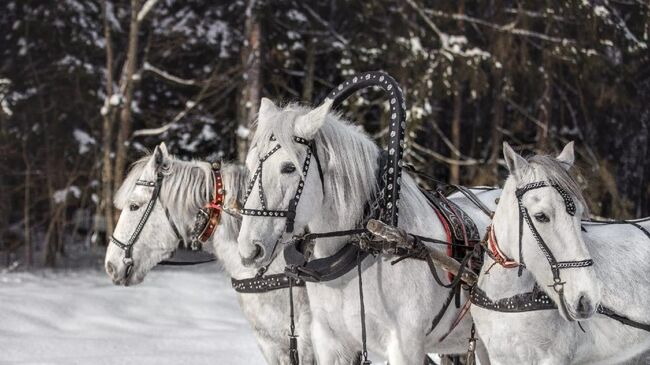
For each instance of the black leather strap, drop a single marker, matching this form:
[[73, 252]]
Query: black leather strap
[[266, 283], [323, 269], [525, 302]]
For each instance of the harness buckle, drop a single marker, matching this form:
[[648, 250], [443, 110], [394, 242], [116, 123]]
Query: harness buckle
[[558, 285]]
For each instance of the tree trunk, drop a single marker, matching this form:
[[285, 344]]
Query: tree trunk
[[105, 206], [250, 95], [454, 169], [29, 250], [310, 65], [126, 87]]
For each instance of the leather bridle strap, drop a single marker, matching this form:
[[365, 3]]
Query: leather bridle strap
[[556, 266], [128, 246], [265, 283], [290, 212]]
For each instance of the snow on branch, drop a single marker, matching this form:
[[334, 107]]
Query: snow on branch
[[144, 11], [508, 28], [166, 75], [155, 131], [442, 158]]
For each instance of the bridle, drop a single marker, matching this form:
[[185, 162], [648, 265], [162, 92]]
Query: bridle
[[290, 212], [524, 216], [207, 219], [128, 246]]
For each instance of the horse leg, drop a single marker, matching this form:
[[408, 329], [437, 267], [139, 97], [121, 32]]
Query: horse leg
[[273, 352], [482, 353], [327, 346], [406, 352]]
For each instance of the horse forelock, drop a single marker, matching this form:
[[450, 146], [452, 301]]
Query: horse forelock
[[555, 172]]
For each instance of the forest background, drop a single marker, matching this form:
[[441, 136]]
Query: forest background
[[87, 87]]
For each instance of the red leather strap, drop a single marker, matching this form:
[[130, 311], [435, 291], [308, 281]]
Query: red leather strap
[[214, 207], [497, 254]]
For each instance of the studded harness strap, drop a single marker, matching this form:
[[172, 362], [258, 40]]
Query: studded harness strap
[[128, 246], [290, 212]]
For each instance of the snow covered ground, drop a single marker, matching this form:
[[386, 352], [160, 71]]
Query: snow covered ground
[[177, 316]]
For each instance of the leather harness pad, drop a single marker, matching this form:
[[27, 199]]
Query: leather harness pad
[[456, 218], [323, 269]]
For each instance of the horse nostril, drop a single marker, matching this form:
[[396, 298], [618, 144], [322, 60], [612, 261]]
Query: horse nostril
[[257, 252], [584, 305], [110, 269]]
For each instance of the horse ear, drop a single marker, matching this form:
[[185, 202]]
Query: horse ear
[[161, 157], [567, 156], [267, 107], [307, 125], [515, 163]]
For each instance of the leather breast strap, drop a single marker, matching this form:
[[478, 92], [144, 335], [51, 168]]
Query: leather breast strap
[[265, 283], [536, 300]]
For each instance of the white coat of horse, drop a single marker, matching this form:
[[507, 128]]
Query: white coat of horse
[[619, 278], [186, 187]]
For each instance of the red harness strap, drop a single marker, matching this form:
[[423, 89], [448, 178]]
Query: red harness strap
[[215, 206], [445, 224], [497, 254]]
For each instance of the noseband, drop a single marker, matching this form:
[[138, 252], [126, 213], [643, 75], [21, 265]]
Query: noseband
[[290, 212], [128, 246]]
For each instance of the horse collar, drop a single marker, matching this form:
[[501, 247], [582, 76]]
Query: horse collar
[[208, 217], [495, 251]]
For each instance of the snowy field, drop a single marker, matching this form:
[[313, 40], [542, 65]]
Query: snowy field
[[177, 316]]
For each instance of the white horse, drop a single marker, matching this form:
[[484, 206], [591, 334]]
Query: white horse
[[400, 300], [186, 187], [619, 278]]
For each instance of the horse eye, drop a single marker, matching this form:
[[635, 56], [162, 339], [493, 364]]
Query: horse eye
[[542, 218], [134, 207], [288, 168]]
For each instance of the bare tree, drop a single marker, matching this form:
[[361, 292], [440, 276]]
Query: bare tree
[[250, 94]]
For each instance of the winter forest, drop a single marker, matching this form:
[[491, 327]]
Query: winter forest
[[88, 87]]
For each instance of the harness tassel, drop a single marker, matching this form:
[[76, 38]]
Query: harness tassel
[[293, 338], [293, 350], [471, 349]]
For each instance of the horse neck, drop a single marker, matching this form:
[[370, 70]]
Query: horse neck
[[621, 255], [505, 221], [416, 216]]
